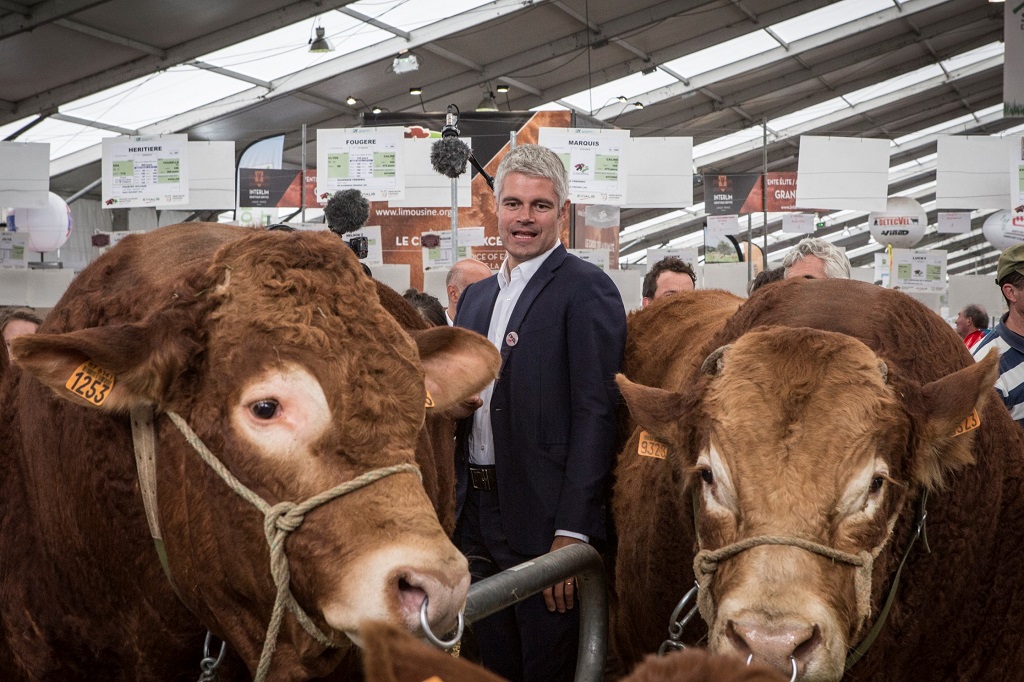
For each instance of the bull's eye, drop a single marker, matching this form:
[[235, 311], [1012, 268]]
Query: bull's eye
[[876, 484], [707, 476], [265, 409]]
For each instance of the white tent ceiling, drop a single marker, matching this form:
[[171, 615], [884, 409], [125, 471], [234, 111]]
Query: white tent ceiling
[[744, 78]]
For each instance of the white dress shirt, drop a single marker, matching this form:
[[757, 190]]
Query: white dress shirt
[[510, 288]]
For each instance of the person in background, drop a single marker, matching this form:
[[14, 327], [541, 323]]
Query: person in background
[[765, 277], [972, 324], [17, 322], [814, 258], [1008, 336], [462, 274], [534, 461], [666, 277], [427, 306]]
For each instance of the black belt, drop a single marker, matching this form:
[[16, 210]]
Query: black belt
[[483, 477]]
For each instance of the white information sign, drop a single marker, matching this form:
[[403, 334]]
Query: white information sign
[[13, 251], [596, 161], [440, 256], [919, 270], [718, 248], [798, 223], [953, 222], [882, 269], [145, 170], [367, 159], [598, 257], [24, 174], [1013, 59], [688, 256], [374, 245]]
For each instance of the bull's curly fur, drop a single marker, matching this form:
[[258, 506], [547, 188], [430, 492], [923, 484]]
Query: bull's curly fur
[[959, 611], [193, 285]]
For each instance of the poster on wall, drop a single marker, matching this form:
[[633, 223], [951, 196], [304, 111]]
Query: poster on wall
[[367, 159], [597, 227], [437, 246], [275, 188], [13, 251], [718, 247], [743, 193], [145, 170], [595, 159], [919, 270], [953, 222]]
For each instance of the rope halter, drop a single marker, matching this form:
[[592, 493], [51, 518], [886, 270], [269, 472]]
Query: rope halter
[[278, 521], [706, 563]]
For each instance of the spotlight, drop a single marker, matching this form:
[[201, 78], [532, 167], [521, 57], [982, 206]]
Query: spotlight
[[415, 91], [502, 88], [638, 105], [376, 110], [351, 101], [622, 98], [488, 103], [405, 62], [321, 44]]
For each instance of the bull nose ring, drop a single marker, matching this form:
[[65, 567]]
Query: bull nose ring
[[431, 637], [792, 663]]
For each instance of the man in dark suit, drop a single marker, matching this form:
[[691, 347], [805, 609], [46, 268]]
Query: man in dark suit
[[534, 461]]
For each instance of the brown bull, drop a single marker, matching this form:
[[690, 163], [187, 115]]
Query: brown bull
[[274, 348], [799, 457]]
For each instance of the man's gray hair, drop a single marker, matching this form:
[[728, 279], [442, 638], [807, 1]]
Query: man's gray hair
[[536, 161], [837, 265]]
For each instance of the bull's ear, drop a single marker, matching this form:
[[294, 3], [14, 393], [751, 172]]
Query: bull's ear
[[950, 403], [656, 410], [110, 368], [458, 364]]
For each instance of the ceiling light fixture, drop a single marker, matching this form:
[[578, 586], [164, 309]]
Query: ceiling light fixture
[[502, 87], [321, 44], [415, 91], [376, 110], [622, 98], [351, 101], [638, 105], [405, 62], [488, 103]]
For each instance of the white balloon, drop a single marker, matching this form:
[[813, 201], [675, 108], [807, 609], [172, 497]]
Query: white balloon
[[1003, 229], [902, 224], [47, 228]]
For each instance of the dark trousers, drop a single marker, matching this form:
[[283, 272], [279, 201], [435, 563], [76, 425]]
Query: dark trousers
[[525, 643]]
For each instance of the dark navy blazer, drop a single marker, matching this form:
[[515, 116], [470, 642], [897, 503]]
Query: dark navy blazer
[[553, 410]]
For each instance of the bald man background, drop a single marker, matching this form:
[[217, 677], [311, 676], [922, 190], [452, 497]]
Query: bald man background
[[462, 274]]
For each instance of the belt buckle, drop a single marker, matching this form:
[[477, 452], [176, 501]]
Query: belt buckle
[[481, 479]]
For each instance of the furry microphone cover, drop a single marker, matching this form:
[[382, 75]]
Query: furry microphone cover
[[449, 155], [346, 211]]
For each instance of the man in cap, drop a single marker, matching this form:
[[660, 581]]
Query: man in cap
[[1008, 335]]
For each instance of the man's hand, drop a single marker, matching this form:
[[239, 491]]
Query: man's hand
[[561, 596], [465, 408]]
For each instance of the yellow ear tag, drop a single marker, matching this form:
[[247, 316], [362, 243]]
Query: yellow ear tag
[[91, 383], [649, 447], [429, 402], [969, 424]]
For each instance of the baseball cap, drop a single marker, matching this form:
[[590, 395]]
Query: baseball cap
[[1010, 260]]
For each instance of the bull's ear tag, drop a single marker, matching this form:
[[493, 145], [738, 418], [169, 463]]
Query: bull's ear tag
[[650, 447], [91, 383], [972, 422], [429, 401]]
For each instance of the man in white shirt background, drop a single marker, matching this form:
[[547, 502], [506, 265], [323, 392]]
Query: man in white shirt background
[[465, 272]]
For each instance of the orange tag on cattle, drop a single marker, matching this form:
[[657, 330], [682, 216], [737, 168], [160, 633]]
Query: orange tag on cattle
[[649, 447], [91, 382], [969, 424], [429, 402]]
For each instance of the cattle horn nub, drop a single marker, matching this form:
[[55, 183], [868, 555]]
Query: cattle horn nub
[[714, 363]]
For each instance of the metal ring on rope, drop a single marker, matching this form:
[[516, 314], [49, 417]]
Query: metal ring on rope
[[792, 663], [431, 637]]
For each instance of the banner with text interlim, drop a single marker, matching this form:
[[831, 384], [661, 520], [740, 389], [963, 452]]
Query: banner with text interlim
[[741, 193]]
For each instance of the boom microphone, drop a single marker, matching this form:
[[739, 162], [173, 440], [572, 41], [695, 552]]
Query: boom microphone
[[449, 155], [346, 211], [451, 122]]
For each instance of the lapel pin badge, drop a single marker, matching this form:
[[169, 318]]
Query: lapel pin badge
[[512, 339]]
